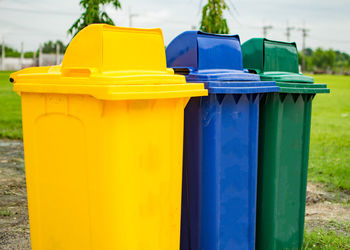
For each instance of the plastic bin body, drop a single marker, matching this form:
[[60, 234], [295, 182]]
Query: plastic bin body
[[221, 186], [220, 143], [103, 159], [284, 137], [103, 174]]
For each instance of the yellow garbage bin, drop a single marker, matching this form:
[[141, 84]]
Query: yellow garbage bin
[[103, 138]]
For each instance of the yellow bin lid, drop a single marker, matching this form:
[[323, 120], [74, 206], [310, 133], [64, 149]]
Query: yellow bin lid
[[110, 63]]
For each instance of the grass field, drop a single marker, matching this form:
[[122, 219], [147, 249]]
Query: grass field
[[329, 146], [10, 109], [330, 134], [321, 239]]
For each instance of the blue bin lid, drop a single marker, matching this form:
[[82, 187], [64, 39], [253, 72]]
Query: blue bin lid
[[215, 60], [208, 57]]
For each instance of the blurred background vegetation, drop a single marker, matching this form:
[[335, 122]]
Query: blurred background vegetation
[[326, 61]]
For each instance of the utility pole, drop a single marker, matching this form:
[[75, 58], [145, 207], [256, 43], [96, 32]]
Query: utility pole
[[57, 53], [305, 34], [289, 29], [3, 55], [40, 55], [22, 54], [34, 59], [131, 16], [266, 28]]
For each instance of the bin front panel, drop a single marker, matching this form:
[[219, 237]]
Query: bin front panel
[[220, 171], [103, 174], [284, 136]]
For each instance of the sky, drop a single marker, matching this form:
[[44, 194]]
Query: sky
[[328, 22]]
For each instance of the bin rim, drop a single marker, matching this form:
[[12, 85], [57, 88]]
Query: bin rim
[[105, 87], [117, 92], [205, 75], [285, 77], [240, 87], [91, 76], [303, 88]]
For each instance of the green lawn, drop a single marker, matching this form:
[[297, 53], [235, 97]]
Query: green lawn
[[330, 134], [329, 147], [322, 239], [10, 109], [333, 235]]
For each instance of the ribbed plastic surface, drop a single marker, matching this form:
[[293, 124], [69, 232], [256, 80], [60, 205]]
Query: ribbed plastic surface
[[220, 142], [284, 135]]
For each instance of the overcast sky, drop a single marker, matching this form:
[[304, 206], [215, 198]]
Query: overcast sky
[[35, 21]]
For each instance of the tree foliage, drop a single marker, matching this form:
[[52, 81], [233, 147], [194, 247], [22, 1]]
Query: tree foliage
[[49, 47], [325, 60], [10, 52], [93, 12], [213, 20], [342, 60]]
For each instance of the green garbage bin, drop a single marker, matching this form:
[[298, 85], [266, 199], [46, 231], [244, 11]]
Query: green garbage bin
[[284, 136]]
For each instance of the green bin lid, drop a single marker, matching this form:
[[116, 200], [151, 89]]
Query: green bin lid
[[278, 61]]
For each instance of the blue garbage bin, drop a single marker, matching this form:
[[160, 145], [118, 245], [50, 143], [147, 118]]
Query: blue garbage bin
[[220, 142]]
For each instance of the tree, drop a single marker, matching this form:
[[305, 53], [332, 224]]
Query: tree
[[93, 13], [342, 61], [323, 60], [308, 60], [212, 17], [308, 52], [326, 60], [10, 52], [49, 47], [330, 58]]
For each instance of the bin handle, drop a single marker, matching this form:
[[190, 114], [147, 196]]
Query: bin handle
[[76, 72], [181, 71]]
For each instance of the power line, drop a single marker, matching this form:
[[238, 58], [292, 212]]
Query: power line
[[27, 29], [304, 34], [329, 40], [131, 16], [200, 8], [39, 11], [233, 7], [163, 20], [266, 28], [288, 30], [231, 13]]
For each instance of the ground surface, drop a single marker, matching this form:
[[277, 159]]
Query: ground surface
[[14, 228], [325, 212], [328, 202]]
